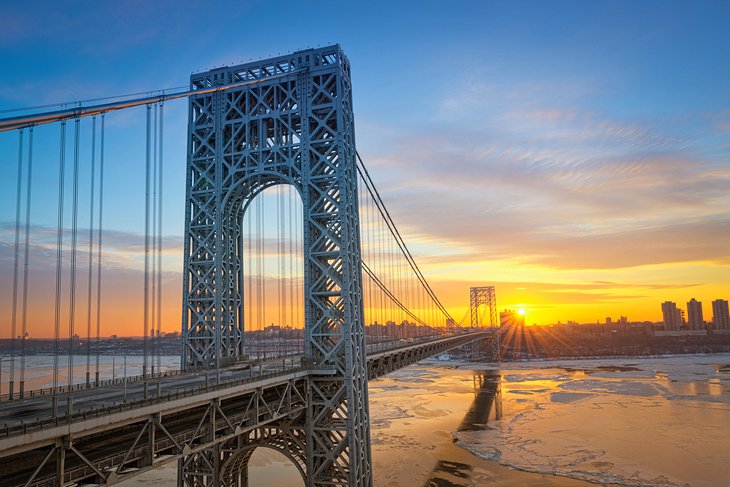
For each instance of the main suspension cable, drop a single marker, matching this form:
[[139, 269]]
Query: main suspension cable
[[362, 170]]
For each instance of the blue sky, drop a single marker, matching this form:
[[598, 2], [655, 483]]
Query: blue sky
[[546, 146]]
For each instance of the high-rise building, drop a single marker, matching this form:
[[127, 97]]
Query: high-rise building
[[720, 315], [694, 315], [672, 316]]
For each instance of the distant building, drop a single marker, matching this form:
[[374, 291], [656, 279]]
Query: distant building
[[694, 315], [720, 315], [510, 317], [608, 320], [672, 316]]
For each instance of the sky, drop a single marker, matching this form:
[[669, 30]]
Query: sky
[[576, 155]]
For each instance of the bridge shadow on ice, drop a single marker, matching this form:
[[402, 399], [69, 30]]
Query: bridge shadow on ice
[[487, 405]]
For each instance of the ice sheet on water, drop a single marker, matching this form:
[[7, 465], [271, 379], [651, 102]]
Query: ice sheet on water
[[660, 422], [625, 387], [566, 397], [547, 375]]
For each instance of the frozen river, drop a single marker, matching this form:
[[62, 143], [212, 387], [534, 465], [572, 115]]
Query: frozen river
[[638, 422]]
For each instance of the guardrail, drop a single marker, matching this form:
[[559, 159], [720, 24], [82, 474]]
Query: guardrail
[[79, 416]]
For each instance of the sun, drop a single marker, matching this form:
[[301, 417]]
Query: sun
[[521, 311]]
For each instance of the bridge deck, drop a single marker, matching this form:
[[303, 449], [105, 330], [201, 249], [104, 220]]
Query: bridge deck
[[106, 420]]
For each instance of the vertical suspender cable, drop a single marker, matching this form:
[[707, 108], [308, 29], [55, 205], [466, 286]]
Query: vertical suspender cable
[[249, 281], [72, 285], [153, 243], [379, 250], [393, 276], [279, 291], [26, 260], [146, 252], [98, 258], [16, 256], [282, 261], [292, 320], [295, 298], [371, 258], [366, 255], [91, 252], [362, 255], [396, 235], [159, 240], [364, 248], [282, 267], [260, 277], [291, 258], [262, 256], [361, 228], [59, 263]]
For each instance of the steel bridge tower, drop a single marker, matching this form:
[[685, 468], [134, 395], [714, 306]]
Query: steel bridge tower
[[486, 295], [483, 295], [285, 120]]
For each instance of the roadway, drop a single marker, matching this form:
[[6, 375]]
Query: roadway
[[108, 421], [36, 409]]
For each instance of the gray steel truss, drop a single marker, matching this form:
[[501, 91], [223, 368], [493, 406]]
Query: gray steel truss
[[210, 430], [286, 120], [486, 295]]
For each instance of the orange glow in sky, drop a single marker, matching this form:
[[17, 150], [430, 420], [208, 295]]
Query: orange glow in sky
[[574, 158]]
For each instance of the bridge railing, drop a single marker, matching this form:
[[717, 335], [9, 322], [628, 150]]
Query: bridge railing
[[82, 386], [383, 345], [40, 424], [287, 368]]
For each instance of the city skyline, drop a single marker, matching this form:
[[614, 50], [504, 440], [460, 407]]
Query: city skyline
[[578, 166]]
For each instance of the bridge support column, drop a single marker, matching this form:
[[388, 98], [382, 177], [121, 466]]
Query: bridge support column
[[286, 120], [200, 469], [495, 347], [60, 462]]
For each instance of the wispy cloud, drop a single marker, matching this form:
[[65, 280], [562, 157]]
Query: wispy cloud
[[559, 186]]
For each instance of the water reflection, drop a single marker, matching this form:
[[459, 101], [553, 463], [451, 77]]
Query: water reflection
[[486, 406]]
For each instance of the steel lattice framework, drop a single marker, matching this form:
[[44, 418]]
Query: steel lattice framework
[[486, 295], [483, 295], [210, 429], [293, 124]]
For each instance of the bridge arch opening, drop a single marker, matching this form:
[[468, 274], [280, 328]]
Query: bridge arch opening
[[263, 466], [271, 253]]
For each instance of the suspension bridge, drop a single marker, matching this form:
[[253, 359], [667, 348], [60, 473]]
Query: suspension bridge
[[297, 286]]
